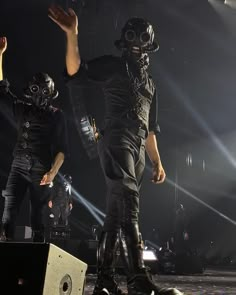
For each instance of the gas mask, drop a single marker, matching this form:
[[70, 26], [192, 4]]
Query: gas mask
[[40, 91], [137, 39]]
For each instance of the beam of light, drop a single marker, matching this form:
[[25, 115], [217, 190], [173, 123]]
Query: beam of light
[[95, 209], [231, 3], [192, 196], [189, 194], [201, 122], [86, 205], [81, 226], [84, 200], [217, 1], [196, 25]]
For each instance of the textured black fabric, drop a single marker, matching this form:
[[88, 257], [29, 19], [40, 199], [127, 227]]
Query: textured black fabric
[[130, 95], [25, 175], [41, 132], [41, 135], [131, 113], [122, 157]]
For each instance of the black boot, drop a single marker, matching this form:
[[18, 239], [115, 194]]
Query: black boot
[[106, 283], [139, 280], [143, 284]]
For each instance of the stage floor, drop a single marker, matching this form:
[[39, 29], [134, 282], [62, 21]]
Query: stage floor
[[211, 282]]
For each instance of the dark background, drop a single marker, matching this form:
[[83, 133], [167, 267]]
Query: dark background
[[195, 71]]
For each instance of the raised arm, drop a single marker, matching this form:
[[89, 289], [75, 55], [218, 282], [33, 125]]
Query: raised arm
[[68, 22], [3, 47]]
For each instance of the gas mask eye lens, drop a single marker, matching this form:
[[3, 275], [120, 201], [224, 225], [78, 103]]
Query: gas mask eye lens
[[130, 36], [145, 37], [46, 91], [34, 88]]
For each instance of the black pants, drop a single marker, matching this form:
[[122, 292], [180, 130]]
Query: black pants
[[61, 212], [122, 156], [25, 174]]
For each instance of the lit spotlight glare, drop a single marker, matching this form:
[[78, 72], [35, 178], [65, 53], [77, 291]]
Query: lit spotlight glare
[[231, 3], [218, 3]]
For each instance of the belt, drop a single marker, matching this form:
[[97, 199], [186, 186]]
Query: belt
[[136, 130]]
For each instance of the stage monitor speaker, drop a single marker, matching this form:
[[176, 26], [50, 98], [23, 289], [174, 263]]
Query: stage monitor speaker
[[40, 269]]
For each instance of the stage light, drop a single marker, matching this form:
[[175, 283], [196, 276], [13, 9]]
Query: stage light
[[231, 3], [149, 255], [95, 212], [219, 1], [151, 260]]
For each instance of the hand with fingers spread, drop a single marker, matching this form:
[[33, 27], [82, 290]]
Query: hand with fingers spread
[[3, 45], [67, 21]]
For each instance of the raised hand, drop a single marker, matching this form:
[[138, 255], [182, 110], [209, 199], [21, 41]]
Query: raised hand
[[67, 21], [3, 45]]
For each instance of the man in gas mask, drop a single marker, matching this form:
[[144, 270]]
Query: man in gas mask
[[130, 128], [60, 200], [39, 151]]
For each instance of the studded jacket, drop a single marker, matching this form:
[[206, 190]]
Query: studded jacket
[[130, 93], [41, 133]]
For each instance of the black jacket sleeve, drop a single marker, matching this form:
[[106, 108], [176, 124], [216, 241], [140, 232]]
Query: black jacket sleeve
[[153, 116], [10, 98], [60, 135], [96, 70]]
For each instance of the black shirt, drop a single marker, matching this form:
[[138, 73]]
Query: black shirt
[[130, 93], [41, 132]]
